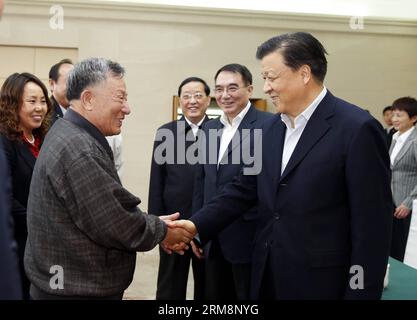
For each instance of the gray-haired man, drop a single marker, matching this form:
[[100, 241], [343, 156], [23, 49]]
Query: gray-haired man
[[83, 226]]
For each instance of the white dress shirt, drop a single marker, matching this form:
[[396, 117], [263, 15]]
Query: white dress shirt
[[399, 139], [193, 126], [292, 135], [63, 110], [115, 143], [229, 130]]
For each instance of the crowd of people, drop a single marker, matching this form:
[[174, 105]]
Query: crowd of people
[[334, 189]]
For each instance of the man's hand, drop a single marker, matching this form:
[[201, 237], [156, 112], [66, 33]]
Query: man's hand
[[401, 212], [198, 252], [168, 220]]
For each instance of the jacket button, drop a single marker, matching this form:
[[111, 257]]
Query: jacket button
[[266, 244]]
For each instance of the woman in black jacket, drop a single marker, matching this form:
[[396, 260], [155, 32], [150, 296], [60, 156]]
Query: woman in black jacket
[[24, 120]]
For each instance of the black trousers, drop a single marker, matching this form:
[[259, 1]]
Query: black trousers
[[399, 237], [225, 280], [173, 276]]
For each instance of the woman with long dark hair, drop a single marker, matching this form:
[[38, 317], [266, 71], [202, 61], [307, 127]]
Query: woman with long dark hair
[[24, 120]]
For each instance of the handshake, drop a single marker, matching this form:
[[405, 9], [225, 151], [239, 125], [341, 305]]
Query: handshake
[[179, 235]]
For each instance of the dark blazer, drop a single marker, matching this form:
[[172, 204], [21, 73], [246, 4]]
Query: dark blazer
[[21, 162], [236, 240], [56, 110], [331, 209], [9, 275], [171, 185]]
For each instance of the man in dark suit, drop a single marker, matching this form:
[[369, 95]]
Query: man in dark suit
[[10, 287], [228, 255], [58, 75], [324, 195], [390, 130], [171, 188]]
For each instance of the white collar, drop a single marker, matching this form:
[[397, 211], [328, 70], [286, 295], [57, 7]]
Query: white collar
[[402, 137], [308, 112], [236, 120], [192, 125]]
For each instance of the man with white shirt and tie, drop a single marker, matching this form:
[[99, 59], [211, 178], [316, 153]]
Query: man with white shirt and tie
[[403, 154], [171, 187], [228, 256], [325, 204]]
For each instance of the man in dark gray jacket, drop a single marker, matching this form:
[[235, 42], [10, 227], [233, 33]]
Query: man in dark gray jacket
[[84, 228]]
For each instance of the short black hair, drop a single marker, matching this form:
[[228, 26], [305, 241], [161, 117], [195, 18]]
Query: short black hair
[[54, 71], [236, 68], [407, 104], [387, 108], [297, 49], [194, 79]]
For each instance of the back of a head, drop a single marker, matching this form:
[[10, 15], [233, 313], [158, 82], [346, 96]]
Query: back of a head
[[236, 68], [90, 72], [297, 49]]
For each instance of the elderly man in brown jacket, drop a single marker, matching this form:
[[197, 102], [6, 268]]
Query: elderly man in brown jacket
[[84, 228]]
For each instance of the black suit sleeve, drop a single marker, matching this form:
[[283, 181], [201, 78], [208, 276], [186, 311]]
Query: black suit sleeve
[[10, 287], [368, 168], [11, 157], [156, 204], [236, 198]]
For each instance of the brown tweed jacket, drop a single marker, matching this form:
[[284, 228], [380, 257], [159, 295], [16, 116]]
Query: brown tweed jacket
[[80, 218]]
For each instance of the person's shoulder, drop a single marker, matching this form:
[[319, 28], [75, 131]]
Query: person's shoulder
[[263, 115], [212, 123], [6, 143], [351, 113], [168, 125]]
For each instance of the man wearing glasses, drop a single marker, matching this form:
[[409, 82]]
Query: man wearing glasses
[[171, 188], [228, 255]]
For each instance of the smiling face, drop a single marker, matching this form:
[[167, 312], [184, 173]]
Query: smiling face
[[402, 121], [285, 86], [194, 101], [232, 93], [108, 105], [33, 108]]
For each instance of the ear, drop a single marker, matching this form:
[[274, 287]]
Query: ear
[[414, 119], [305, 72], [51, 85], [87, 99], [250, 90]]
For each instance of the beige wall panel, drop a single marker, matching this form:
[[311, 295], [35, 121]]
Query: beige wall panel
[[16, 59], [46, 57]]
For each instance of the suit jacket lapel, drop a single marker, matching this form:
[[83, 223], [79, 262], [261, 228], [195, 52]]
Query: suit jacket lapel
[[211, 167], [316, 127], [273, 159], [247, 123], [25, 153], [406, 146]]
